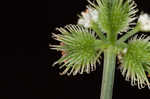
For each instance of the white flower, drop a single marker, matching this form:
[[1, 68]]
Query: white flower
[[89, 15], [144, 21], [125, 50]]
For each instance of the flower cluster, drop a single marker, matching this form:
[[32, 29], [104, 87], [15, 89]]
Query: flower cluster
[[89, 15], [144, 21]]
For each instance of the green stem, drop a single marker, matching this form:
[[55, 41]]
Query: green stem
[[96, 28], [130, 33], [108, 73]]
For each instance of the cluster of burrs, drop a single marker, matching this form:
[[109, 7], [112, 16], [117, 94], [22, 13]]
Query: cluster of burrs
[[81, 45]]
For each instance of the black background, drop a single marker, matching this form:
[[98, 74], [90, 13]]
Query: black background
[[87, 86], [23, 50]]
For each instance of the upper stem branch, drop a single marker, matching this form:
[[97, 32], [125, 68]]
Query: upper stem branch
[[130, 33]]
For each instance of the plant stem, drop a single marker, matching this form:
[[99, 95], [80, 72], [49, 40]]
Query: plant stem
[[108, 73], [96, 28], [130, 33]]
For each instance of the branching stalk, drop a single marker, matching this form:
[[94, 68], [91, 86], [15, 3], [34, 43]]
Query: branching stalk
[[129, 34]]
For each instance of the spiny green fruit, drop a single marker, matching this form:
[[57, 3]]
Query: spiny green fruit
[[79, 47], [136, 61], [117, 16]]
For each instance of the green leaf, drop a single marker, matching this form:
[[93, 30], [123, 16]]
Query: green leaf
[[79, 47]]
